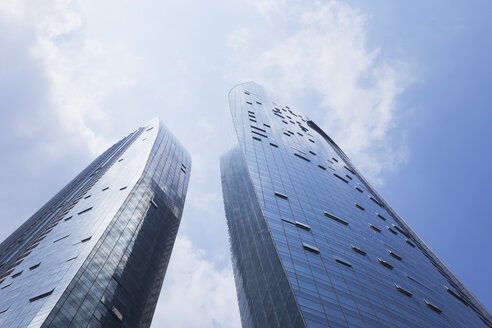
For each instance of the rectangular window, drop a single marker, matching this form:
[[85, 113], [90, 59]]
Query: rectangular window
[[120, 159], [375, 201], [432, 307], [396, 256], [86, 210], [334, 217], [349, 169], [375, 228], [87, 196], [358, 250], [105, 188], [57, 240], [311, 140], [359, 190], [343, 262], [251, 120], [273, 145], [401, 230], [35, 298], [392, 231], [123, 188], [252, 113], [259, 103], [279, 115], [312, 152], [17, 274], [348, 177], [278, 194], [310, 248], [288, 135], [86, 239], [402, 290], [385, 264], [249, 103], [336, 160], [380, 216], [340, 177], [304, 158], [409, 243], [302, 225], [322, 167], [266, 125], [257, 139], [68, 218], [35, 266], [257, 128], [260, 134], [359, 207]]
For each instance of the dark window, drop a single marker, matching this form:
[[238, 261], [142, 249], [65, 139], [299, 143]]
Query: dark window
[[6, 286], [375, 228], [343, 262], [86, 239], [311, 140], [251, 120], [278, 194], [358, 189], [68, 218], [123, 188], [105, 188], [348, 176], [246, 92], [358, 250], [333, 158], [375, 201], [396, 256], [54, 241], [310, 248], [409, 243], [249, 103], [266, 125], [334, 217], [257, 139], [35, 266], [380, 216], [259, 103], [304, 158], [73, 258], [150, 128], [340, 177], [6, 309], [274, 145], [322, 167], [120, 159], [359, 207], [385, 264], [35, 298], [260, 134], [392, 231], [86, 210], [432, 307], [257, 128], [313, 153], [402, 290], [87, 196], [349, 169], [17, 274], [302, 225], [458, 297]]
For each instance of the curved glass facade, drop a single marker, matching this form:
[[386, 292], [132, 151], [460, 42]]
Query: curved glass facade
[[313, 244], [96, 254]]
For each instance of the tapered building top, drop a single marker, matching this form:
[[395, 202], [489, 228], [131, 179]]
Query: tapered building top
[[96, 254], [313, 244]]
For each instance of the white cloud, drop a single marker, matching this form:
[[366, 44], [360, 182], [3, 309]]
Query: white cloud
[[320, 49], [195, 292]]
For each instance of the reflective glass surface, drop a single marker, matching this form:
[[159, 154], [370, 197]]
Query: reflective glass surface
[[314, 244], [96, 254]]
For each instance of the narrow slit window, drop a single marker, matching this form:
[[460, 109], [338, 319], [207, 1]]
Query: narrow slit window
[[312, 153], [402, 290], [279, 194], [380, 216], [257, 128], [252, 113], [335, 218], [266, 125], [260, 134], [302, 225], [105, 188], [251, 120], [348, 177], [72, 258], [302, 157], [432, 306], [359, 207], [410, 243], [310, 248], [344, 180], [358, 189], [288, 135], [66, 219], [57, 240], [120, 159], [86, 210], [246, 92], [288, 221], [35, 266], [87, 196], [257, 139], [150, 128], [401, 230], [35, 298], [273, 145], [392, 231], [358, 250], [249, 103], [375, 201], [374, 227], [458, 297], [17, 274], [6, 285], [322, 167], [6, 309], [396, 256], [123, 188], [117, 314], [86, 239], [385, 264], [259, 103], [346, 263], [311, 140], [336, 160], [349, 169]]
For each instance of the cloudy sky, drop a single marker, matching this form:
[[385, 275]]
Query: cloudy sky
[[405, 89]]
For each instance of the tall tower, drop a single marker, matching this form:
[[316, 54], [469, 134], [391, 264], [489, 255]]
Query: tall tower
[[95, 255], [313, 244]]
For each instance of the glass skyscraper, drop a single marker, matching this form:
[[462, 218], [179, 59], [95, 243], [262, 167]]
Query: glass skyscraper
[[313, 244], [96, 254]]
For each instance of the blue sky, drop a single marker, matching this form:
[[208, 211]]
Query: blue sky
[[403, 88]]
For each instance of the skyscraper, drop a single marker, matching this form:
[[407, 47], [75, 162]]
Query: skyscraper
[[313, 244], [96, 254]]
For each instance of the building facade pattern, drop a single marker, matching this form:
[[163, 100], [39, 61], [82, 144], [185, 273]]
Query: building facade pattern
[[313, 244], [95, 255]]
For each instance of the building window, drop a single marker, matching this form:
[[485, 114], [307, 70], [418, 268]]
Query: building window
[[340, 177], [105, 188], [348, 177], [57, 240], [86, 210], [336, 160], [396, 256], [87, 196], [375, 201], [458, 297], [249, 103], [322, 167], [359, 207], [432, 306], [335, 218], [310, 248], [358, 189], [123, 188], [68, 218], [385, 264], [273, 145], [349, 169], [17, 274], [302, 157], [302, 225], [86, 239], [35, 266], [374, 228], [358, 250], [409, 243], [392, 231], [279, 194], [120, 159], [402, 290], [35, 298], [343, 262], [380, 216], [150, 128], [257, 139]]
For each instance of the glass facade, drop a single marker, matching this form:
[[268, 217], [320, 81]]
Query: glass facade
[[313, 244], [96, 254]]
